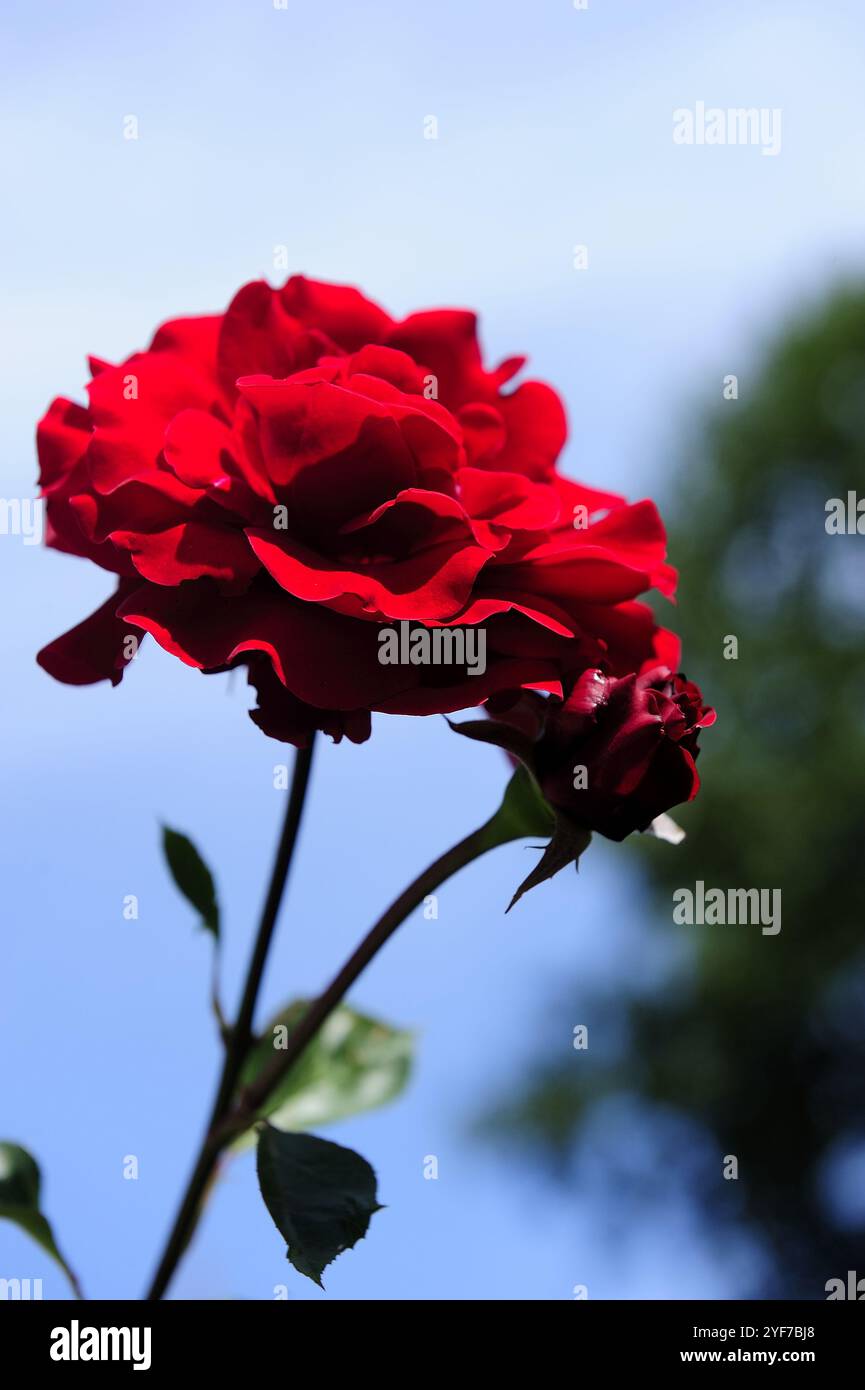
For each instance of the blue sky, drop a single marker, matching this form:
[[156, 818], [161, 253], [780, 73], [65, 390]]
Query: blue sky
[[304, 128]]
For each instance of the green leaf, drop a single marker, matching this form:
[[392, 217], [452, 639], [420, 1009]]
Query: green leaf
[[524, 809], [20, 1179], [192, 877], [567, 844], [353, 1063], [20, 1184], [320, 1195]]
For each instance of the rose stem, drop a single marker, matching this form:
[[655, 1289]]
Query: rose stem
[[240, 1035], [495, 832]]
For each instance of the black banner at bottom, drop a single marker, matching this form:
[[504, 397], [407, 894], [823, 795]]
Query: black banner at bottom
[[63, 1339]]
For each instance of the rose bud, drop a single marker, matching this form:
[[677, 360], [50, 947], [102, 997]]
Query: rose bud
[[620, 752], [615, 755]]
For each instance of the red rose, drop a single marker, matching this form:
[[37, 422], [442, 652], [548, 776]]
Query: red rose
[[616, 754], [273, 485]]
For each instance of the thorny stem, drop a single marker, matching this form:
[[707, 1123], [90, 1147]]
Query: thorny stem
[[227, 1121], [253, 1097], [239, 1038]]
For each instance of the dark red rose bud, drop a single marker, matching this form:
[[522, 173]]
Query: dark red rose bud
[[613, 756], [619, 752]]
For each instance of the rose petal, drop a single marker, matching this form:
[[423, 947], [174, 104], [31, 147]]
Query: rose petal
[[93, 650]]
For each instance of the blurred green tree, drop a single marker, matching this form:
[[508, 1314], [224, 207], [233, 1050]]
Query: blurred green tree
[[755, 1045]]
